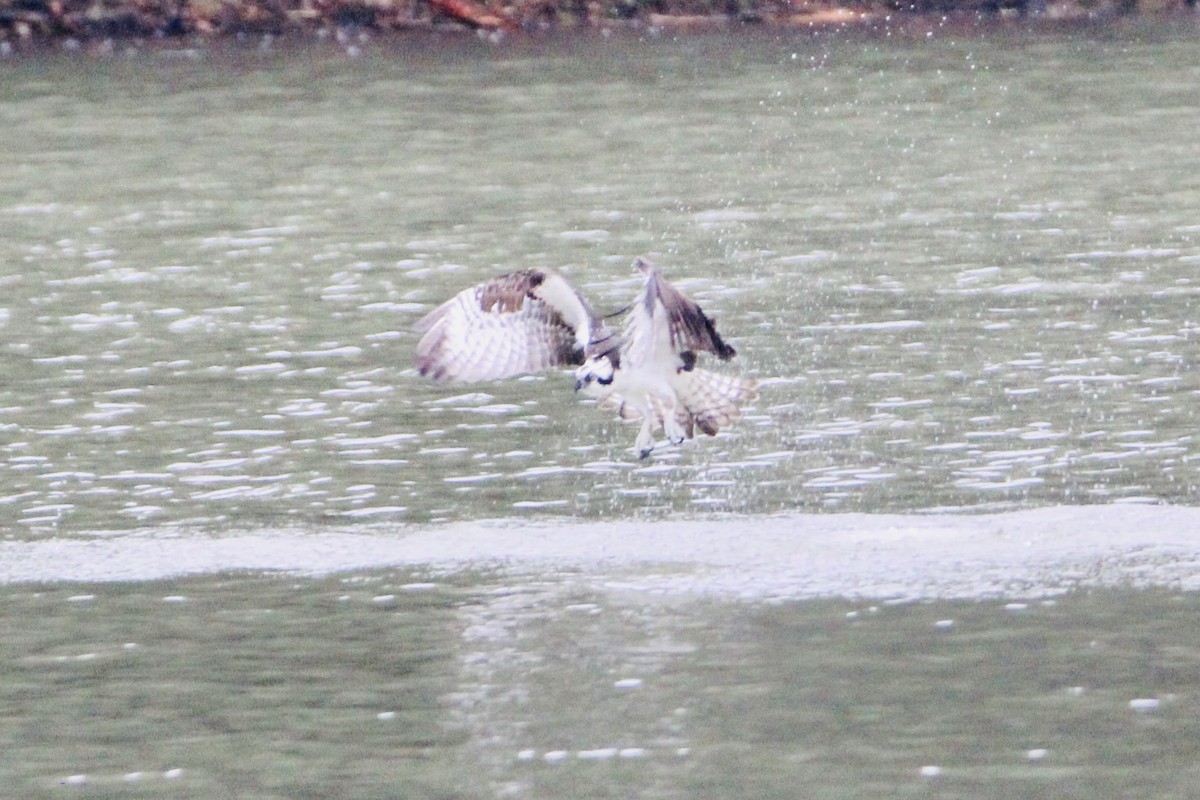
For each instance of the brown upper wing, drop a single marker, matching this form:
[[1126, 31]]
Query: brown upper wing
[[690, 329]]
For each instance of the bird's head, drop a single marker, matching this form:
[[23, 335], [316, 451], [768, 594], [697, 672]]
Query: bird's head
[[594, 376]]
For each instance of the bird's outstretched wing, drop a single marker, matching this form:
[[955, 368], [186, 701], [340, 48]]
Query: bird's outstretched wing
[[515, 324], [665, 317]]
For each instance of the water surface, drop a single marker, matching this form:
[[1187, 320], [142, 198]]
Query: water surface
[[388, 685], [961, 262], [962, 265]]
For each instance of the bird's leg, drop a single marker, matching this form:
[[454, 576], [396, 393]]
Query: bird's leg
[[674, 430], [671, 427], [645, 437]]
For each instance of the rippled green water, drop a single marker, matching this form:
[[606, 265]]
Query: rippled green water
[[962, 264], [379, 686]]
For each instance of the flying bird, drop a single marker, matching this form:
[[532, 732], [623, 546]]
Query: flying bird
[[534, 320]]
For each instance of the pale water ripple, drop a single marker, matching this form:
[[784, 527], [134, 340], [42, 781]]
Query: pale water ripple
[[1041, 552]]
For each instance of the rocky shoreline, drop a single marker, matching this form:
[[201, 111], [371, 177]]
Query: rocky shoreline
[[98, 20]]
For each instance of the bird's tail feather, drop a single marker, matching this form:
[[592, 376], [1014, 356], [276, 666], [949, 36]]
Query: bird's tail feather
[[711, 400], [705, 400]]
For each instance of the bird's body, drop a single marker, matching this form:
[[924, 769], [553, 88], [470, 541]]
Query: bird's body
[[533, 320]]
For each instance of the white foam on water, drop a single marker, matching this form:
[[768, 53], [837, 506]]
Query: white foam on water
[[1030, 553]]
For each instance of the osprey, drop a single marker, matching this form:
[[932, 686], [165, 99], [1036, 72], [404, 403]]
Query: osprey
[[533, 320]]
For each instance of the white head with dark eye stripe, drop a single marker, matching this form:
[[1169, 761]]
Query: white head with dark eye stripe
[[594, 376]]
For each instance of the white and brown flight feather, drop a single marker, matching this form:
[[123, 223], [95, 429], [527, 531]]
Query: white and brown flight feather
[[690, 329], [515, 324], [533, 320]]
